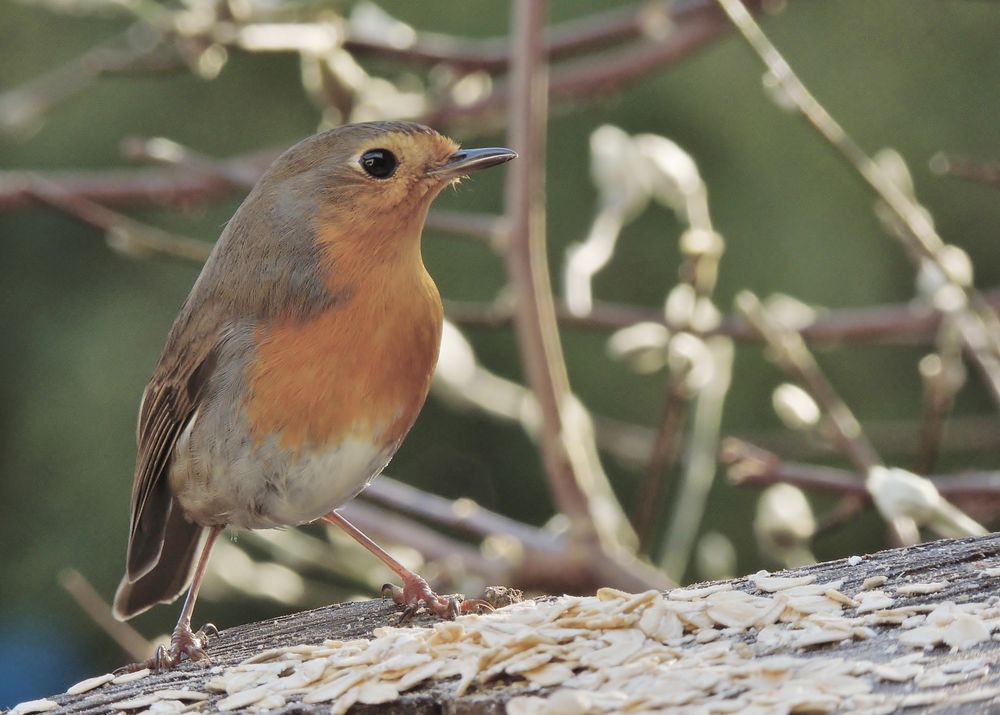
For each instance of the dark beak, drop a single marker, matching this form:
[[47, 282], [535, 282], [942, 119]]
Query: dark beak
[[466, 160]]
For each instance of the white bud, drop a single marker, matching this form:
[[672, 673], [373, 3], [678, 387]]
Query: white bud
[[679, 308], [697, 242], [619, 171], [791, 312], [368, 20], [715, 557], [899, 494], [795, 407], [894, 168], [674, 177], [956, 264], [688, 355], [705, 316], [784, 525], [778, 92], [641, 346]]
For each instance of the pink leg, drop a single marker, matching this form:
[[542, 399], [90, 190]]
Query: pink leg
[[415, 591], [184, 641]]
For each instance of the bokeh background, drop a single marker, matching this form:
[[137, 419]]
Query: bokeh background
[[82, 325]]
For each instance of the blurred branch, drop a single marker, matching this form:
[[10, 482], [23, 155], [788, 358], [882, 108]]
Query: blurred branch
[[130, 187], [755, 466], [909, 323], [462, 514], [525, 557], [978, 323], [957, 167], [662, 456], [943, 375], [839, 425], [585, 80], [138, 49], [662, 33], [87, 598], [560, 40], [700, 464], [631, 443], [394, 528], [527, 266], [790, 352], [124, 234]]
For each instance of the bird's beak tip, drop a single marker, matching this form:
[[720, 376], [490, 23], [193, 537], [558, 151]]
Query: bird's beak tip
[[466, 160]]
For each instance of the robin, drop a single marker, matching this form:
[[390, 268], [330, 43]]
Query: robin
[[297, 364]]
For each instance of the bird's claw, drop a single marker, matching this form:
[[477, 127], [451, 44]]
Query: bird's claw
[[183, 642], [416, 594], [209, 630]]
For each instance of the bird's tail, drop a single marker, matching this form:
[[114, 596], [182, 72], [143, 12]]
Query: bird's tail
[[170, 576]]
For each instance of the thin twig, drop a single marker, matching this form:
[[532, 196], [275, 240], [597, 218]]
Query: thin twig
[[393, 528], [975, 170], [527, 265], [904, 323], [87, 598], [663, 458], [980, 326], [137, 49], [592, 78], [570, 37], [943, 375], [699, 462], [123, 233], [749, 464], [463, 514], [789, 350]]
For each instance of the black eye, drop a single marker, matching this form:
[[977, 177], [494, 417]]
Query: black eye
[[379, 163]]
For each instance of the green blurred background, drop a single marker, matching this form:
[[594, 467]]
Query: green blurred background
[[83, 326]]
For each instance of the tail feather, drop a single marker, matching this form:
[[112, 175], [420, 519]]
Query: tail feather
[[171, 574]]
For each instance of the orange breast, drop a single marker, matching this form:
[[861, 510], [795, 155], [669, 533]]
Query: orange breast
[[360, 369]]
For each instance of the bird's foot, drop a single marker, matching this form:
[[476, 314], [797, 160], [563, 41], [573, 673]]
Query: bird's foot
[[416, 593], [183, 642]]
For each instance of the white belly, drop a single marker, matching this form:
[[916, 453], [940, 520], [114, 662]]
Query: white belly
[[221, 478]]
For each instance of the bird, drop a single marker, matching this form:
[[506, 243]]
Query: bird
[[297, 364]]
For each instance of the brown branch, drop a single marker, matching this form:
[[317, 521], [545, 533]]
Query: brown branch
[[906, 323], [978, 323], [561, 40], [789, 350], [755, 466], [394, 528], [527, 266], [592, 78], [90, 601], [123, 233], [957, 167], [537, 561], [463, 514], [137, 50], [120, 187], [663, 457]]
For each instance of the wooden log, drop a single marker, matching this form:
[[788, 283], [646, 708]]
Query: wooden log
[[951, 680]]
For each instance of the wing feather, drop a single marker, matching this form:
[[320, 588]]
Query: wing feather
[[169, 403]]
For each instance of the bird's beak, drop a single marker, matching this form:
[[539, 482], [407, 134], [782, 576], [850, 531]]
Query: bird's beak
[[466, 160]]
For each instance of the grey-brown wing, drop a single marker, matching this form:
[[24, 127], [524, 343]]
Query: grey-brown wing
[[168, 405]]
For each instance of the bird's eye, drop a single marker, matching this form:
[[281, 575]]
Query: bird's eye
[[379, 163]]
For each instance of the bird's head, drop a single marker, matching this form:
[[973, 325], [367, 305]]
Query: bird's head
[[368, 186]]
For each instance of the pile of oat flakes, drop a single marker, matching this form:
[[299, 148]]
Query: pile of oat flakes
[[696, 650]]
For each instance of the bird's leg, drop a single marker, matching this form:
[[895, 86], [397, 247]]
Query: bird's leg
[[415, 591], [184, 641]]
